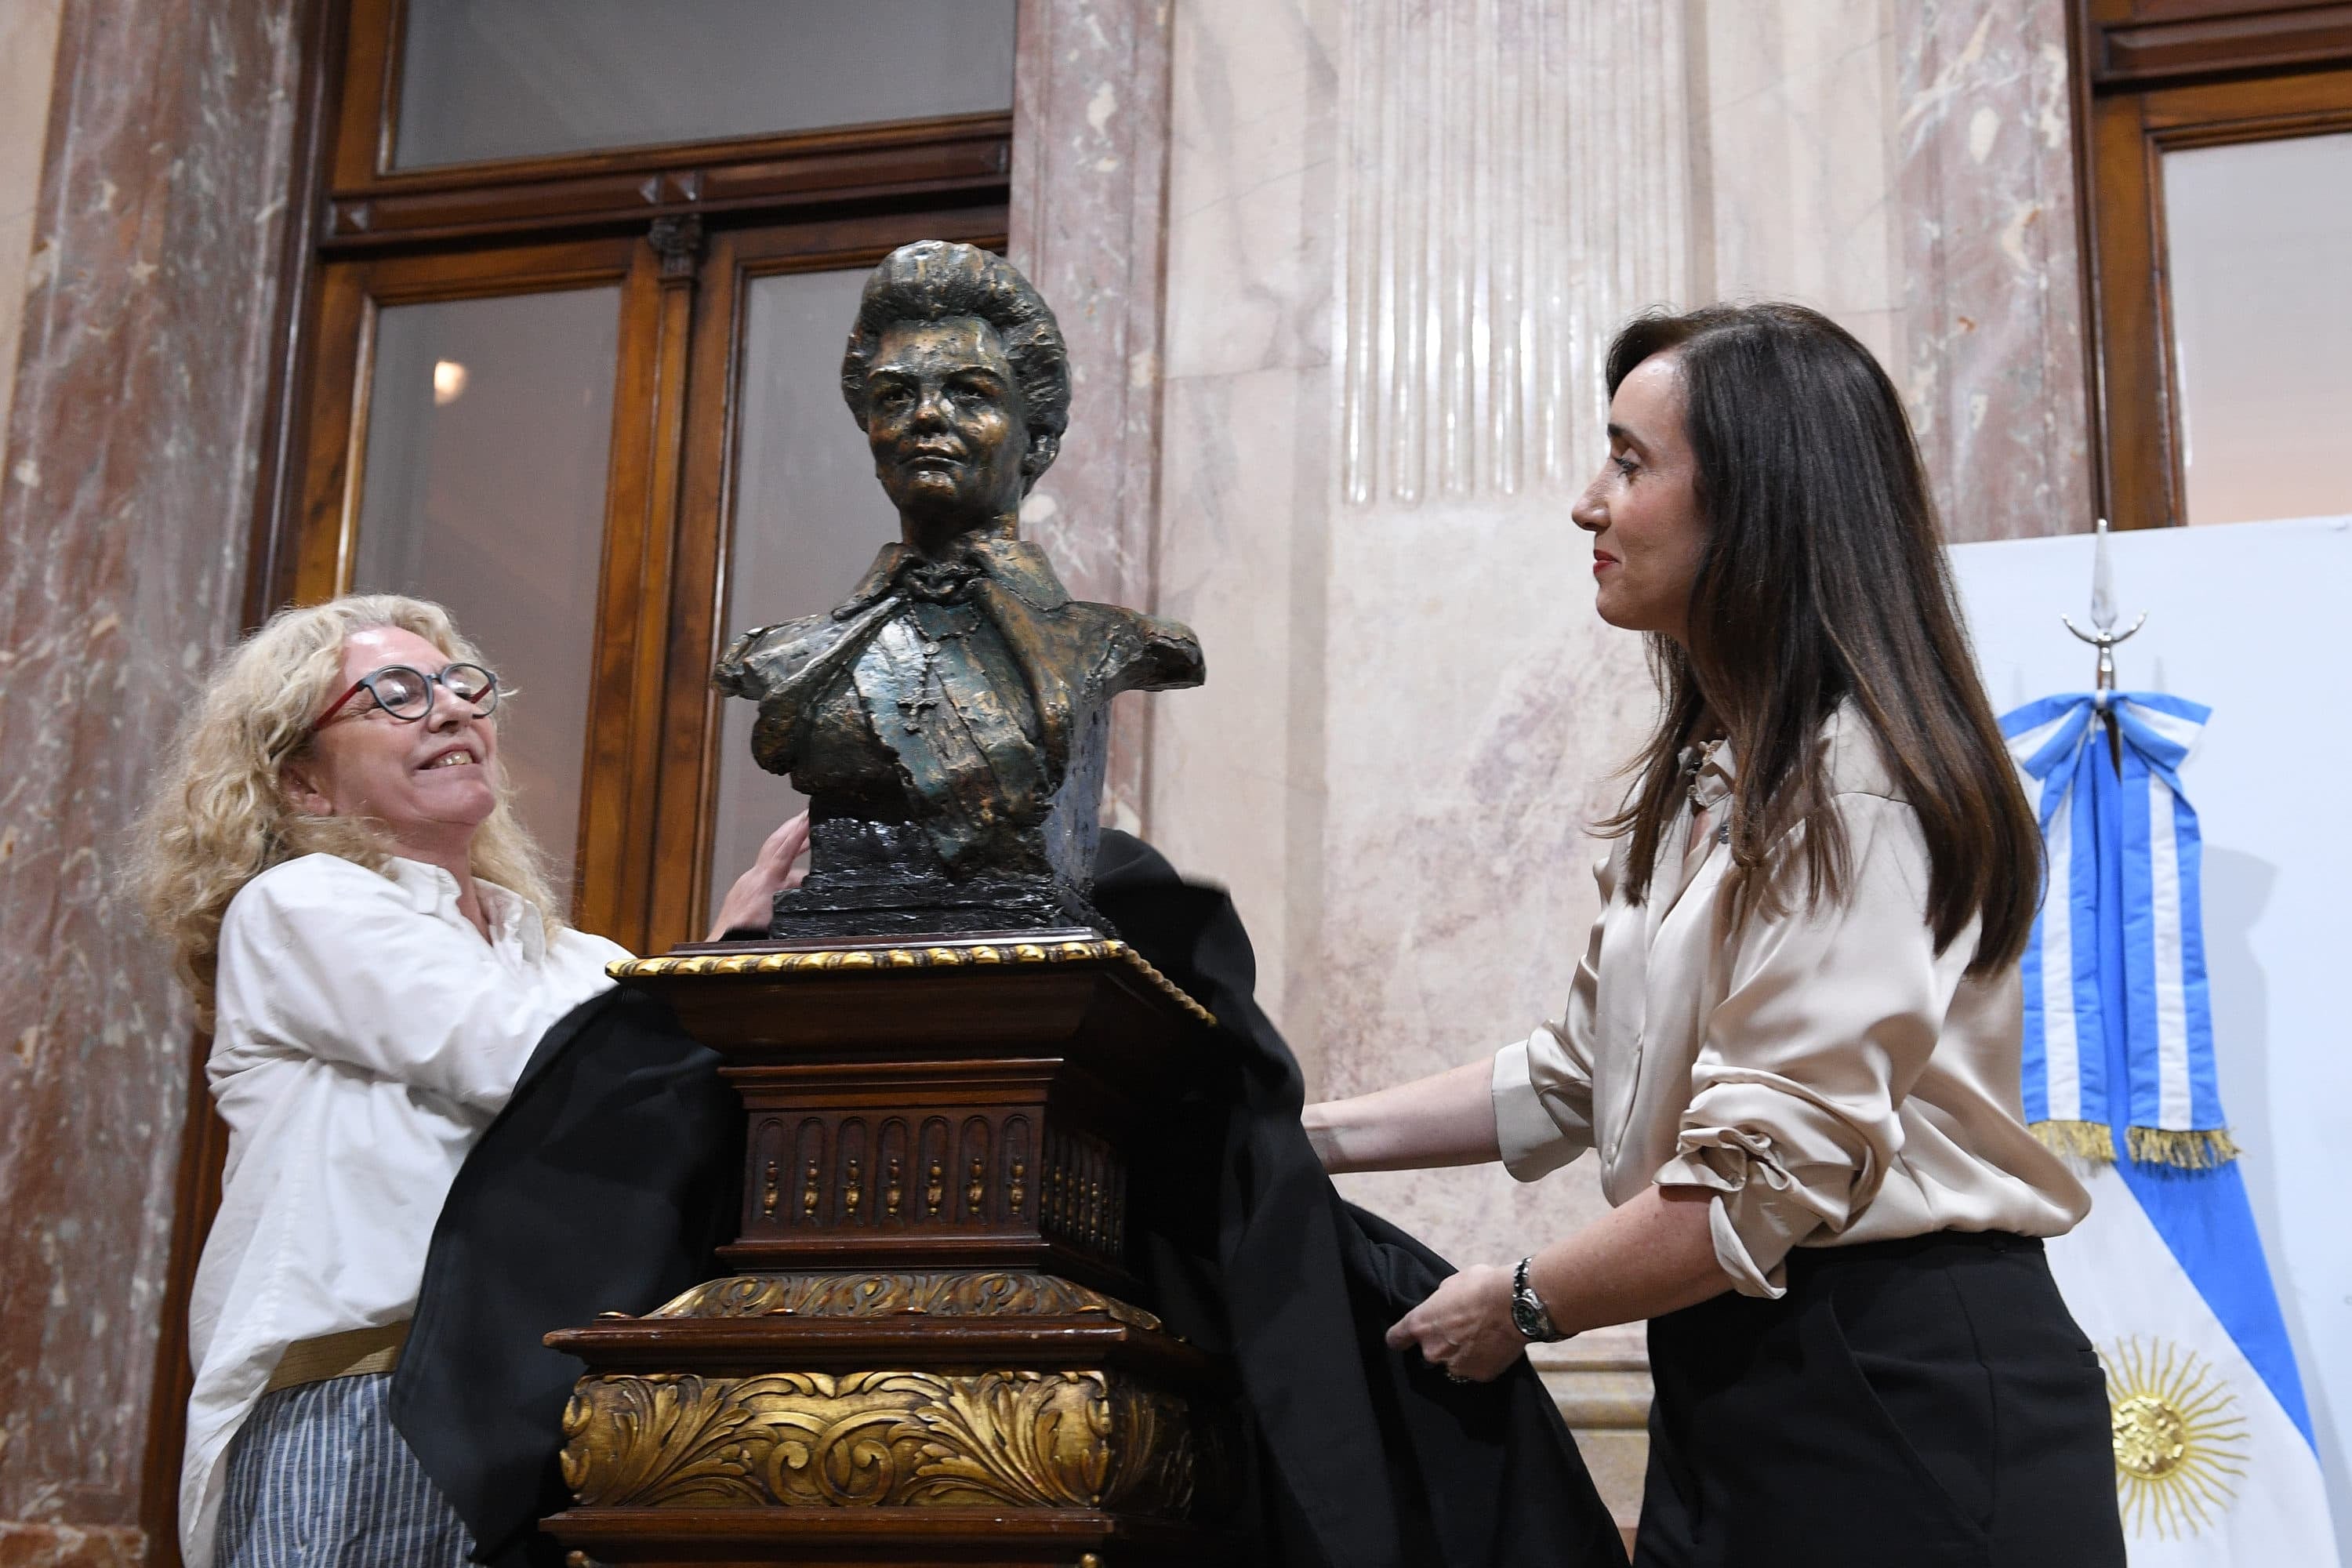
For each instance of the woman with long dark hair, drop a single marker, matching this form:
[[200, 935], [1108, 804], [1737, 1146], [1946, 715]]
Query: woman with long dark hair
[[1793, 1039]]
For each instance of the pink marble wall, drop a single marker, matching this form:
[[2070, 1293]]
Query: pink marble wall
[[1992, 302], [1906, 166], [1090, 186], [125, 495], [1411, 915], [1411, 708], [28, 53], [70, 1546], [1413, 714]]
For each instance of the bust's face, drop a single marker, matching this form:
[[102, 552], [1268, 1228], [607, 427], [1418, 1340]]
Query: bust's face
[[943, 417]]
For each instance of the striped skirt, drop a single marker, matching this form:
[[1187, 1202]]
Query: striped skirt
[[318, 1479]]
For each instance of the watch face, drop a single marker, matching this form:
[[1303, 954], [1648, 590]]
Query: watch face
[[1528, 1314]]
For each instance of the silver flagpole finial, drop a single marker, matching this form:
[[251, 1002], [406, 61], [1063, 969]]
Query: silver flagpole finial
[[2102, 612]]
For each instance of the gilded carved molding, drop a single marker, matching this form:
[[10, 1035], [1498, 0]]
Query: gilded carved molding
[[975, 955], [945, 1294], [876, 1439]]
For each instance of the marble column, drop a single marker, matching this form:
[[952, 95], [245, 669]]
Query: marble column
[[1993, 304], [28, 54], [1089, 180], [1517, 181], [125, 509], [1907, 168], [1237, 782], [1796, 105], [1399, 237]]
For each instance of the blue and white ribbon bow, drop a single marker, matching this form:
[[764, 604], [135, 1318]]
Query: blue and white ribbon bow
[[2118, 1030]]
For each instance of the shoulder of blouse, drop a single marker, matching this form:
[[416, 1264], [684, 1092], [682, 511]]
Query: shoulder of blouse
[[290, 915], [1850, 749], [308, 882], [315, 900]]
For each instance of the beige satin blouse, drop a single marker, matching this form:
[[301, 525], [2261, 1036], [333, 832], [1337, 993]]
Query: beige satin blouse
[[1825, 1073]]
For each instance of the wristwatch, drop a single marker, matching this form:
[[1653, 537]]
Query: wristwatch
[[1527, 1313]]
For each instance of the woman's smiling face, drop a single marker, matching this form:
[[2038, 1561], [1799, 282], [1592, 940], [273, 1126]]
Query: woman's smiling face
[[426, 782], [1643, 510]]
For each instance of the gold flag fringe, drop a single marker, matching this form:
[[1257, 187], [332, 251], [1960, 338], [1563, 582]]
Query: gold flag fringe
[[2083, 1140], [2207, 1150], [2194, 1151]]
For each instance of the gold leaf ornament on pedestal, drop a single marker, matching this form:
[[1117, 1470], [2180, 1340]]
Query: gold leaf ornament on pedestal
[[869, 1439], [959, 1293]]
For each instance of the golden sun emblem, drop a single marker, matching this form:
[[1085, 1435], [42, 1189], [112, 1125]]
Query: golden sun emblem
[[2180, 1440]]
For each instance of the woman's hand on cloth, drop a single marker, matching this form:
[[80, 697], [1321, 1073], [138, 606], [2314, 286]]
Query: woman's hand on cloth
[[751, 900], [1465, 1327], [1652, 1256]]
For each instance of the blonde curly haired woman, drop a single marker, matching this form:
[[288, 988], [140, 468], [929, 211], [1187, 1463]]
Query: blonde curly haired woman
[[363, 922]]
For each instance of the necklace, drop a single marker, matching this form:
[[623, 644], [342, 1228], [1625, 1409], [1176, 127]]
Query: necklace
[[934, 627]]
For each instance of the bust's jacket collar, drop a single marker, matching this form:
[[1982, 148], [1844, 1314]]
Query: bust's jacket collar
[[1014, 564]]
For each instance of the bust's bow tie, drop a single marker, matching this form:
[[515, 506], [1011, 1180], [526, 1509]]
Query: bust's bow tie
[[938, 581], [1019, 569]]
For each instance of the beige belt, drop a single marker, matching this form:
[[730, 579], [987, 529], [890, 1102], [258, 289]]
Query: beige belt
[[345, 1354]]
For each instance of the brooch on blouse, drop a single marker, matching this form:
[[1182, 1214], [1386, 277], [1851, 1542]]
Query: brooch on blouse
[[1694, 760]]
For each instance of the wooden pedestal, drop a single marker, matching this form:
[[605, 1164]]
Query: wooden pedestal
[[924, 1355]]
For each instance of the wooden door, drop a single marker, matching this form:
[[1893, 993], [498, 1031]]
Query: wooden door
[[2155, 79]]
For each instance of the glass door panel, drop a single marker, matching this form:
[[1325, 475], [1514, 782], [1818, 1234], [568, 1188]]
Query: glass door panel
[[808, 517], [2258, 237], [515, 78], [489, 432]]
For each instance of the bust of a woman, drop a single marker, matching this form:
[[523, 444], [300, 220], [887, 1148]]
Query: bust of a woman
[[948, 719]]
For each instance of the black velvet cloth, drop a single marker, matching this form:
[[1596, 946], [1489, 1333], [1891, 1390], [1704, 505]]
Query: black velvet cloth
[[605, 1185], [609, 1178]]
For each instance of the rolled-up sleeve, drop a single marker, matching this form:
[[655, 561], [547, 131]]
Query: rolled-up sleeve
[[1543, 1085], [1828, 1020]]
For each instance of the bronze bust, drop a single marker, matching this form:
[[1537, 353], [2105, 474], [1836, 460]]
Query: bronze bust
[[947, 720]]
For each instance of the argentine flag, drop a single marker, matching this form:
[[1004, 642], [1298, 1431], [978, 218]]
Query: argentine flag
[[2215, 1463]]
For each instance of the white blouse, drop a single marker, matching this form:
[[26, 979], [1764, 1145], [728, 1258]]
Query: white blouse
[[1825, 1073], [366, 1034]]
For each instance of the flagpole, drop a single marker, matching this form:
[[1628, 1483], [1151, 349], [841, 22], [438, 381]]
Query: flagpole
[[2104, 636]]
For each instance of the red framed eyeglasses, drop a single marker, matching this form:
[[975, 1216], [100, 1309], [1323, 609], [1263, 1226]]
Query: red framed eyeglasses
[[407, 694]]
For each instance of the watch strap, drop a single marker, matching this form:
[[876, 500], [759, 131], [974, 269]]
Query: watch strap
[[1528, 1313]]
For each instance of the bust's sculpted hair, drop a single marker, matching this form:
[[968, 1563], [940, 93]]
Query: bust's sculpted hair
[[933, 281], [220, 817]]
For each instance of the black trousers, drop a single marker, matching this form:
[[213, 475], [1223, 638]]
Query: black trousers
[[1919, 1403]]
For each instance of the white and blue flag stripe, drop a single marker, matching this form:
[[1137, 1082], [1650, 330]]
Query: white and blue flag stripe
[[2216, 1466], [2121, 839]]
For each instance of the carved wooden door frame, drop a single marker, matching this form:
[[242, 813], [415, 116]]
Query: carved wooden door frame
[[2153, 75]]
